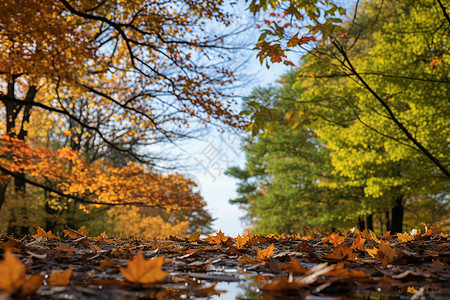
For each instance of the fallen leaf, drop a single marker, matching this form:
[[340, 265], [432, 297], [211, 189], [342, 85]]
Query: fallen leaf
[[44, 235], [358, 243], [194, 237], [12, 272], [144, 271], [64, 251], [335, 238], [31, 284], [265, 253], [404, 237], [294, 267], [384, 253], [343, 252], [218, 238], [60, 277], [74, 234], [241, 241]]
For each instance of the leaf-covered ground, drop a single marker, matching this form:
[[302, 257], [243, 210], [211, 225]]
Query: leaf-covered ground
[[356, 264]]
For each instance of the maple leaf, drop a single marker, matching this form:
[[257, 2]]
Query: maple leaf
[[293, 41], [358, 243], [335, 238], [74, 234], [265, 253], [31, 284], [343, 252], [241, 241], [384, 253], [405, 237], [61, 278], [44, 235], [295, 267], [144, 271], [218, 238], [12, 272]]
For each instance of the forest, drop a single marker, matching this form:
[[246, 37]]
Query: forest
[[96, 94]]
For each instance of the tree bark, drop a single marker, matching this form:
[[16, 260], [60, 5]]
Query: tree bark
[[369, 222], [388, 221], [397, 215], [361, 224]]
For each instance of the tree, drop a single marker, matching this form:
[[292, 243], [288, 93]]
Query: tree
[[368, 133], [123, 75]]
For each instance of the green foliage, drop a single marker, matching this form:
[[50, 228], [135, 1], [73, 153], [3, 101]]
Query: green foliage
[[334, 154]]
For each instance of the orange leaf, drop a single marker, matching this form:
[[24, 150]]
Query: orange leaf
[[265, 254], [31, 284], [218, 238], [358, 243], [343, 252], [404, 237], [144, 271], [60, 278], [12, 272], [240, 241], [44, 235], [335, 238]]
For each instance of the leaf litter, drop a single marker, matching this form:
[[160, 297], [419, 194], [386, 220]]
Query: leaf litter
[[357, 264]]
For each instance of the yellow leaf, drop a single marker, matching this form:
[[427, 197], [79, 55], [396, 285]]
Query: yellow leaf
[[144, 271], [12, 272], [194, 237], [60, 278], [404, 237]]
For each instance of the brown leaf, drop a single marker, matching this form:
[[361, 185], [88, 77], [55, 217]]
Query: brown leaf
[[294, 267]]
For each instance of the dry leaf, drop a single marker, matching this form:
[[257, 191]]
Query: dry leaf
[[194, 237], [264, 254], [60, 278], [74, 234], [44, 235], [384, 253], [144, 271], [31, 284], [404, 237], [12, 272], [294, 267], [335, 238], [358, 243]]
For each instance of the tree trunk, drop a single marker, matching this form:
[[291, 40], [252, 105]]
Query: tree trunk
[[388, 221], [361, 224], [397, 215], [369, 222]]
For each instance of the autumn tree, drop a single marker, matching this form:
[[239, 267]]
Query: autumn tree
[[122, 75]]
